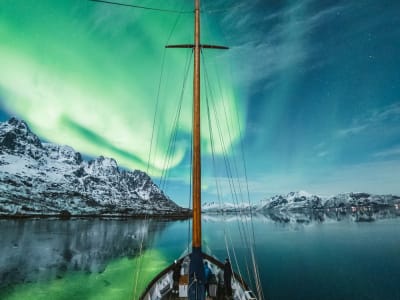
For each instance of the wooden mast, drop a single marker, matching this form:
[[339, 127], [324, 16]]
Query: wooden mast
[[196, 176], [196, 154]]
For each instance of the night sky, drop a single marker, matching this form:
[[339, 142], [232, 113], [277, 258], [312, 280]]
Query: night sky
[[312, 87]]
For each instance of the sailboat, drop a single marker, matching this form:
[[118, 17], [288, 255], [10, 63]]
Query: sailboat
[[191, 279], [185, 278]]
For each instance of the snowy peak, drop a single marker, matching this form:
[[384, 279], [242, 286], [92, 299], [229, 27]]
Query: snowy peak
[[225, 207], [293, 200], [62, 153], [303, 200], [298, 196], [16, 137], [102, 166], [361, 199]]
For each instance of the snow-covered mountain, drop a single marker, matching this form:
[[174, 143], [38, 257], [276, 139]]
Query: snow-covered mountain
[[303, 200], [292, 201], [47, 179], [225, 207]]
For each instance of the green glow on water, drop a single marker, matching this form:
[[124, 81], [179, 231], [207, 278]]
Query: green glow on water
[[116, 282]]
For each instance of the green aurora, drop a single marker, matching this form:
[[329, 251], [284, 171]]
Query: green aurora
[[86, 74]]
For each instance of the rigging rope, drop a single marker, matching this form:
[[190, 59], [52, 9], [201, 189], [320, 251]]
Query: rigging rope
[[158, 93], [227, 164], [146, 219], [217, 184], [143, 7], [207, 10], [246, 232], [174, 129]]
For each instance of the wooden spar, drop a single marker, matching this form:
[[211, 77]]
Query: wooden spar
[[201, 46], [196, 179]]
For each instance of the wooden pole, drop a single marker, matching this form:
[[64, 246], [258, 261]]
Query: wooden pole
[[196, 178]]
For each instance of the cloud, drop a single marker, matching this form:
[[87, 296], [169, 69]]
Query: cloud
[[393, 151], [388, 112], [274, 42], [351, 130], [372, 119], [322, 153]]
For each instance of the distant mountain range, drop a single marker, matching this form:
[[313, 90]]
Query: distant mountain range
[[39, 178], [301, 200]]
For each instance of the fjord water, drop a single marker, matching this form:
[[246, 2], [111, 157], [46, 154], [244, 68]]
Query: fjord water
[[299, 258]]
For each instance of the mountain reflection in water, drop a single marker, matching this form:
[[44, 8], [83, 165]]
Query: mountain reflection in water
[[45, 249], [305, 216], [361, 214]]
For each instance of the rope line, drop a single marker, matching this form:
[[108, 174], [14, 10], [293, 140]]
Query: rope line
[[228, 169], [158, 94], [227, 162], [144, 7], [174, 129], [145, 222], [246, 231]]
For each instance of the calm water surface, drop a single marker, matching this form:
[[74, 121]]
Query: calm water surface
[[299, 258]]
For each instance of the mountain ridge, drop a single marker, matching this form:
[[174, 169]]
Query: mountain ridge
[[38, 178], [302, 200]]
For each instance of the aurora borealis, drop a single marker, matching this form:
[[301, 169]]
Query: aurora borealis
[[315, 85]]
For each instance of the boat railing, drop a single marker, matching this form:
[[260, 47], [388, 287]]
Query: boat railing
[[163, 283]]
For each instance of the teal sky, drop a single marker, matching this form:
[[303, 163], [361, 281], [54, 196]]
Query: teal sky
[[312, 89]]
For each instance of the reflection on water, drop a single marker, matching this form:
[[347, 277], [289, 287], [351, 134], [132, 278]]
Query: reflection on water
[[342, 253], [363, 214], [305, 216], [37, 250]]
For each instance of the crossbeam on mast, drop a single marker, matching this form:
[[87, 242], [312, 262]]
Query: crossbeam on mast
[[205, 46]]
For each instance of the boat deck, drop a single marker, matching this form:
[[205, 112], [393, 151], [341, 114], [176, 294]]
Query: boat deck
[[175, 296], [220, 295]]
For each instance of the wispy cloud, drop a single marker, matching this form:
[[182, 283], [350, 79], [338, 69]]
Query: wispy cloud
[[372, 119], [323, 153], [273, 42], [393, 151], [351, 130]]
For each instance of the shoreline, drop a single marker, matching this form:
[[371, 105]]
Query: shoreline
[[97, 216]]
